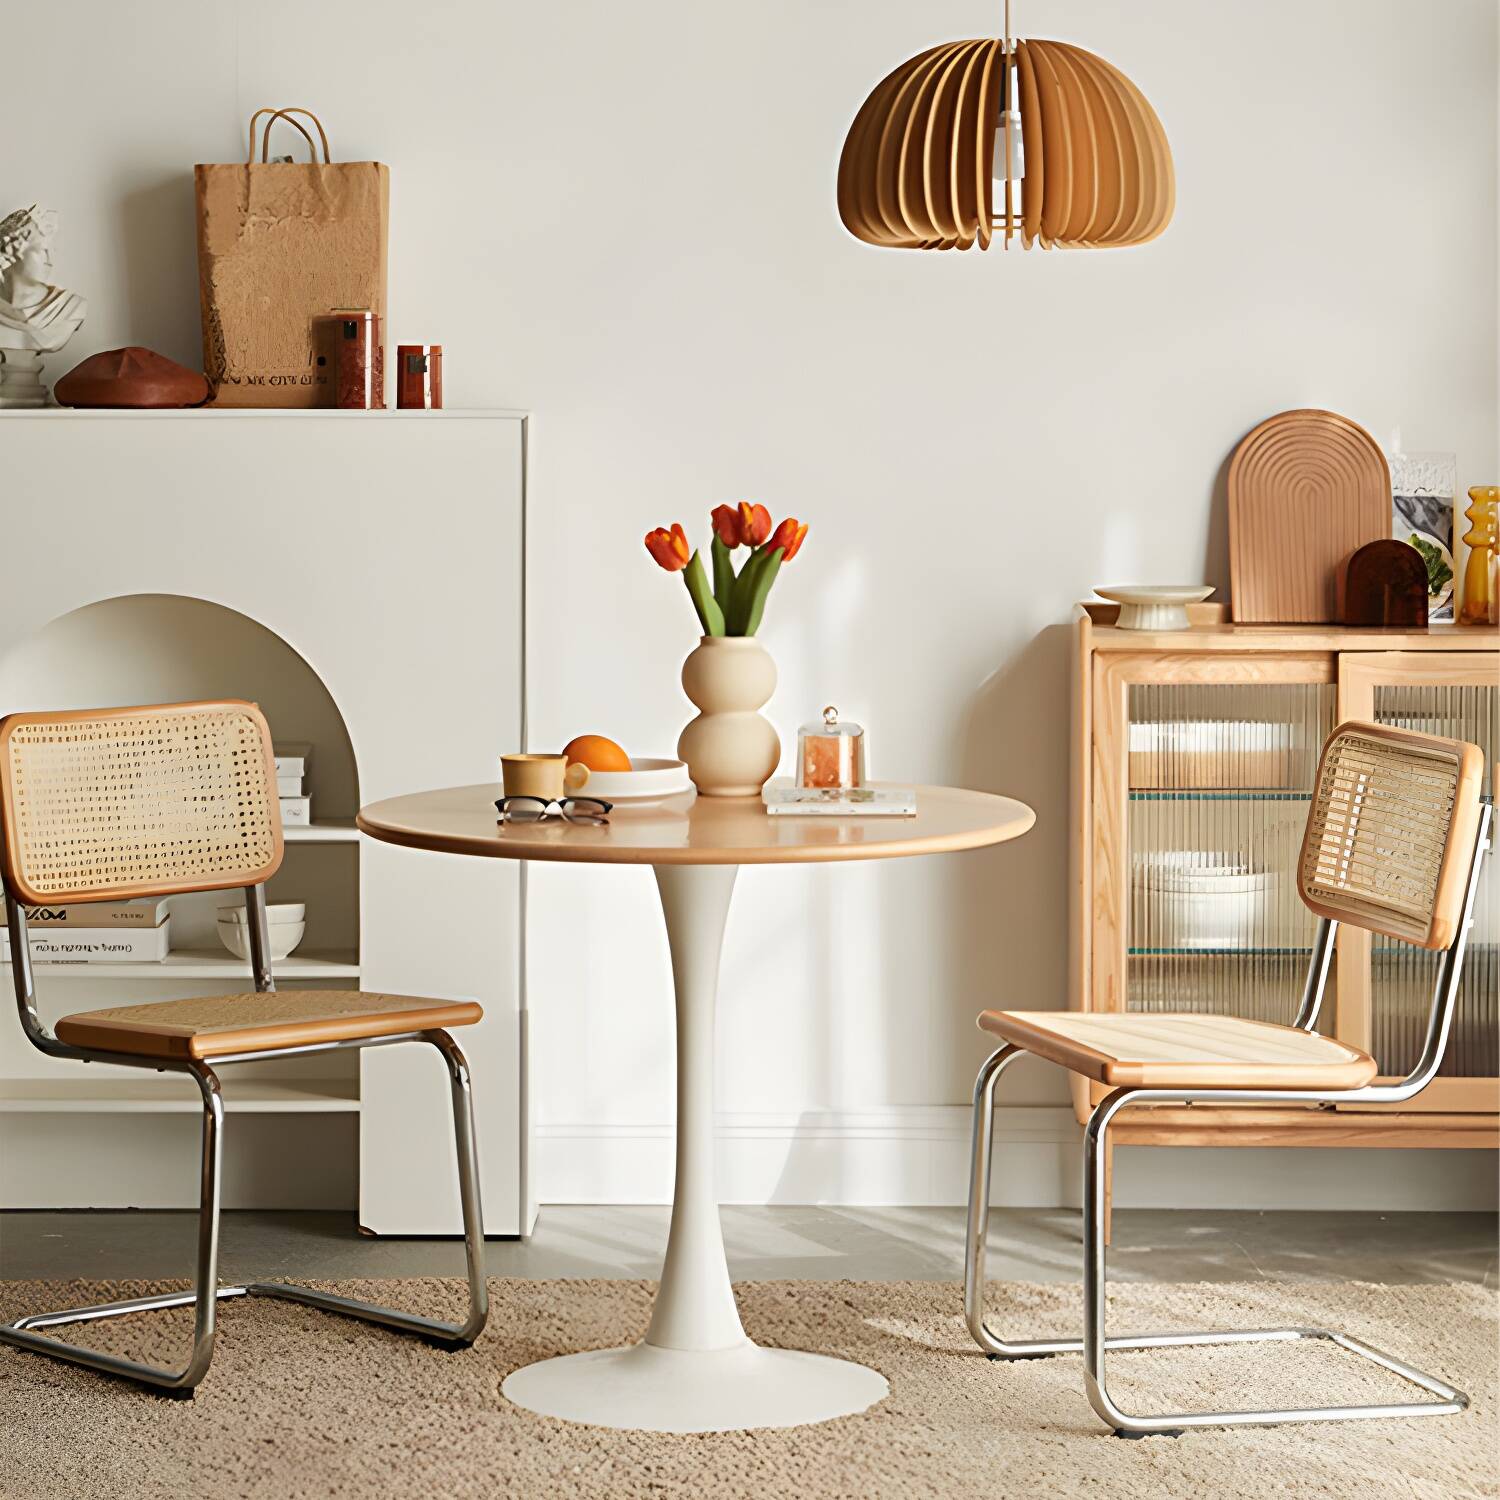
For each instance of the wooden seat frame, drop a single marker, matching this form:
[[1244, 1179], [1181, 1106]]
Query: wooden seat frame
[[206, 1293], [1465, 841]]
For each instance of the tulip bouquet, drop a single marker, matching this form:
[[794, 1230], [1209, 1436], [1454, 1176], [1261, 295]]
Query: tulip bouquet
[[736, 602]]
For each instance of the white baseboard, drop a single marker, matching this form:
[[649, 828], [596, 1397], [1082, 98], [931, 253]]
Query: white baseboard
[[920, 1155], [90, 1160]]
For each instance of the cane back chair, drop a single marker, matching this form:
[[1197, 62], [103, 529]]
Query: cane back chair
[[114, 804], [1395, 839]]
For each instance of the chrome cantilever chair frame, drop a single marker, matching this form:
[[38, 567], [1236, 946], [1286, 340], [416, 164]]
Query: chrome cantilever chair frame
[[25, 1333], [1095, 1342]]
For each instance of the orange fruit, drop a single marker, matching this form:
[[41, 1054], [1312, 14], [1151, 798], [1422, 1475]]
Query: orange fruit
[[597, 753]]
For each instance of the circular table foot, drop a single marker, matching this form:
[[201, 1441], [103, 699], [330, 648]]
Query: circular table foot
[[683, 1390]]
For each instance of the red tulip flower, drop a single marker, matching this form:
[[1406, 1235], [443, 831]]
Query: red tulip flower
[[788, 536], [734, 603], [755, 523], [669, 548], [726, 524]]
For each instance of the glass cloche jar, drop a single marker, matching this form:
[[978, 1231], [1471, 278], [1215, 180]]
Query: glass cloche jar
[[831, 753]]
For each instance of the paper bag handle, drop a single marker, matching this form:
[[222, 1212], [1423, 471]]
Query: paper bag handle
[[249, 160], [286, 114]]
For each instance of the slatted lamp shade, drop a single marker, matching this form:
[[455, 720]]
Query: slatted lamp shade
[[972, 139]]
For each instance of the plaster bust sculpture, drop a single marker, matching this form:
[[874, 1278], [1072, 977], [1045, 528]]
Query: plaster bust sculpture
[[36, 317]]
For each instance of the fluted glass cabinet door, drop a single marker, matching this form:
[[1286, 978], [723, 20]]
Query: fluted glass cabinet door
[[1204, 771], [1385, 991]]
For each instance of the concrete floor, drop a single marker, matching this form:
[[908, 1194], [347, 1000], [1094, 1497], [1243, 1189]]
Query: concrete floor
[[861, 1244]]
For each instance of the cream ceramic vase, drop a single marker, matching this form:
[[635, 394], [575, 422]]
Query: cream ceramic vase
[[729, 748]]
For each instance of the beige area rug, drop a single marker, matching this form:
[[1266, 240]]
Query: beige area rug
[[300, 1405]]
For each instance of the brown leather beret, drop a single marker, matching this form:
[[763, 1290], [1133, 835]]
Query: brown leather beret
[[131, 377]]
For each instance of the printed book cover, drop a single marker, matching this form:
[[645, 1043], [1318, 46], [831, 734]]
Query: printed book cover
[[108, 945], [100, 914]]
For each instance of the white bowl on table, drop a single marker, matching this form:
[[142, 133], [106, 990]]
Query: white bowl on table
[[285, 925], [648, 780]]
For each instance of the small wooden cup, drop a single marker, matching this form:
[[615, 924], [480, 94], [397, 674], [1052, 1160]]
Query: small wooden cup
[[534, 776]]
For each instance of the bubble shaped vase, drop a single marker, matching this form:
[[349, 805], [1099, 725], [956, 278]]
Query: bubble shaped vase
[[729, 748]]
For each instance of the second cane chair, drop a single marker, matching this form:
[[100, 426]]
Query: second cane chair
[[1395, 840], [116, 804]]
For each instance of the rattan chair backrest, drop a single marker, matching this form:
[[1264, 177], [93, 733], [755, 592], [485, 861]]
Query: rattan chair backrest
[[115, 803], [1390, 837]]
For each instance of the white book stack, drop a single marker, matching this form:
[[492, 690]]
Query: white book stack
[[782, 799], [100, 932], [291, 775]]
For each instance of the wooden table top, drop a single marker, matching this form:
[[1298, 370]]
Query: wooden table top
[[692, 830]]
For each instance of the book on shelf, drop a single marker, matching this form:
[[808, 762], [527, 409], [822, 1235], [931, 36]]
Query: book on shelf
[[288, 786], [292, 758], [99, 914], [98, 945], [296, 812], [783, 799]]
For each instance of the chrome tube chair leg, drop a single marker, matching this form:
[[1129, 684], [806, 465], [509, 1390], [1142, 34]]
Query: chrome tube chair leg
[[204, 1297], [1095, 1341], [444, 1335], [207, 1293], [1449, 1400]]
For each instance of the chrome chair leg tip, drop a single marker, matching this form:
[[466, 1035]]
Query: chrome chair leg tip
[[447, 1345]]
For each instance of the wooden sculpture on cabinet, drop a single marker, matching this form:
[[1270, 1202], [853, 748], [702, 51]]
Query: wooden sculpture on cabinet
[[1307, 489], [1386, 584]]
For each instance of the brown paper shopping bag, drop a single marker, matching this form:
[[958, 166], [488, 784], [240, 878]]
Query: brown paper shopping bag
[[280, 245]]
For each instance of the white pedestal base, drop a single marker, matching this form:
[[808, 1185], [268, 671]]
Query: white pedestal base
[[689, 1390], [695, 1371]]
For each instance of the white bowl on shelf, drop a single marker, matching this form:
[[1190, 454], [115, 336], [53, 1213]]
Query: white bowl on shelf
[[285, 926]]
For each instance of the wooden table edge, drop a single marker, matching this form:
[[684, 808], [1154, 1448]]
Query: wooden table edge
[[1024, 819]]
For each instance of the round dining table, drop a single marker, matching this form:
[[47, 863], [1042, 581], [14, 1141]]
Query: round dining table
[[695, 1370]]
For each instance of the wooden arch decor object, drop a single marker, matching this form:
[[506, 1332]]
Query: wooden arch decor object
[[917, 167], [1307, 489]]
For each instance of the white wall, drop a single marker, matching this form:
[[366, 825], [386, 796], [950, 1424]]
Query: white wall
[[622, 218]]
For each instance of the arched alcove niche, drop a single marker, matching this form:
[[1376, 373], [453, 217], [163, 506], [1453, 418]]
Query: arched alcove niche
[[166, 648]]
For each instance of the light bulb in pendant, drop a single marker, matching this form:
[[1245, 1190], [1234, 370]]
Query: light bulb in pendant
[[1008, 148]]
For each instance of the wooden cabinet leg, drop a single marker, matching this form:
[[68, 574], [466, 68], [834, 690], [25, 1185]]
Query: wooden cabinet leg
[[1109, 1189]]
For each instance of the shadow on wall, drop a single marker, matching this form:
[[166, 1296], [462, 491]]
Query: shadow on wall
[[1008, 942], [1000, 942], [1216, 551], [159, 244]]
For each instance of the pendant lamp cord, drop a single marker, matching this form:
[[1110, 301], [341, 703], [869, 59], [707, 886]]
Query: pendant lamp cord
[[1006, 103]]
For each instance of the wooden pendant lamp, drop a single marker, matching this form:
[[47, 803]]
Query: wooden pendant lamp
[[919, 171]]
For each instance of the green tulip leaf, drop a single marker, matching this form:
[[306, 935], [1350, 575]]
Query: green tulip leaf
[[710, 616], [769, 567]]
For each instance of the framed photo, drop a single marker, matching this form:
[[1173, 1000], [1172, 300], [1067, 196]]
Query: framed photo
[[1422, 490]]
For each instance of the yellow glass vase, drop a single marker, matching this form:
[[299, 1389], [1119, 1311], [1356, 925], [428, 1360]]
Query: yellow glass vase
[[1479, 601]]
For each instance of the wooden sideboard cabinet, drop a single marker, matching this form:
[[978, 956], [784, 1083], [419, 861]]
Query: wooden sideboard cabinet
[[1194, 758]]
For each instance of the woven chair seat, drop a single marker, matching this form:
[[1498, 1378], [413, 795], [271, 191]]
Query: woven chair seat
[[1183, 1051], [220, 1025]]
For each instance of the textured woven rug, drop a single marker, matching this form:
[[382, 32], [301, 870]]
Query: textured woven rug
[[303, 1406]]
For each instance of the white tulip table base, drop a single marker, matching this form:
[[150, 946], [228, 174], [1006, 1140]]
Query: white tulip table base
[[691, 1390]]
